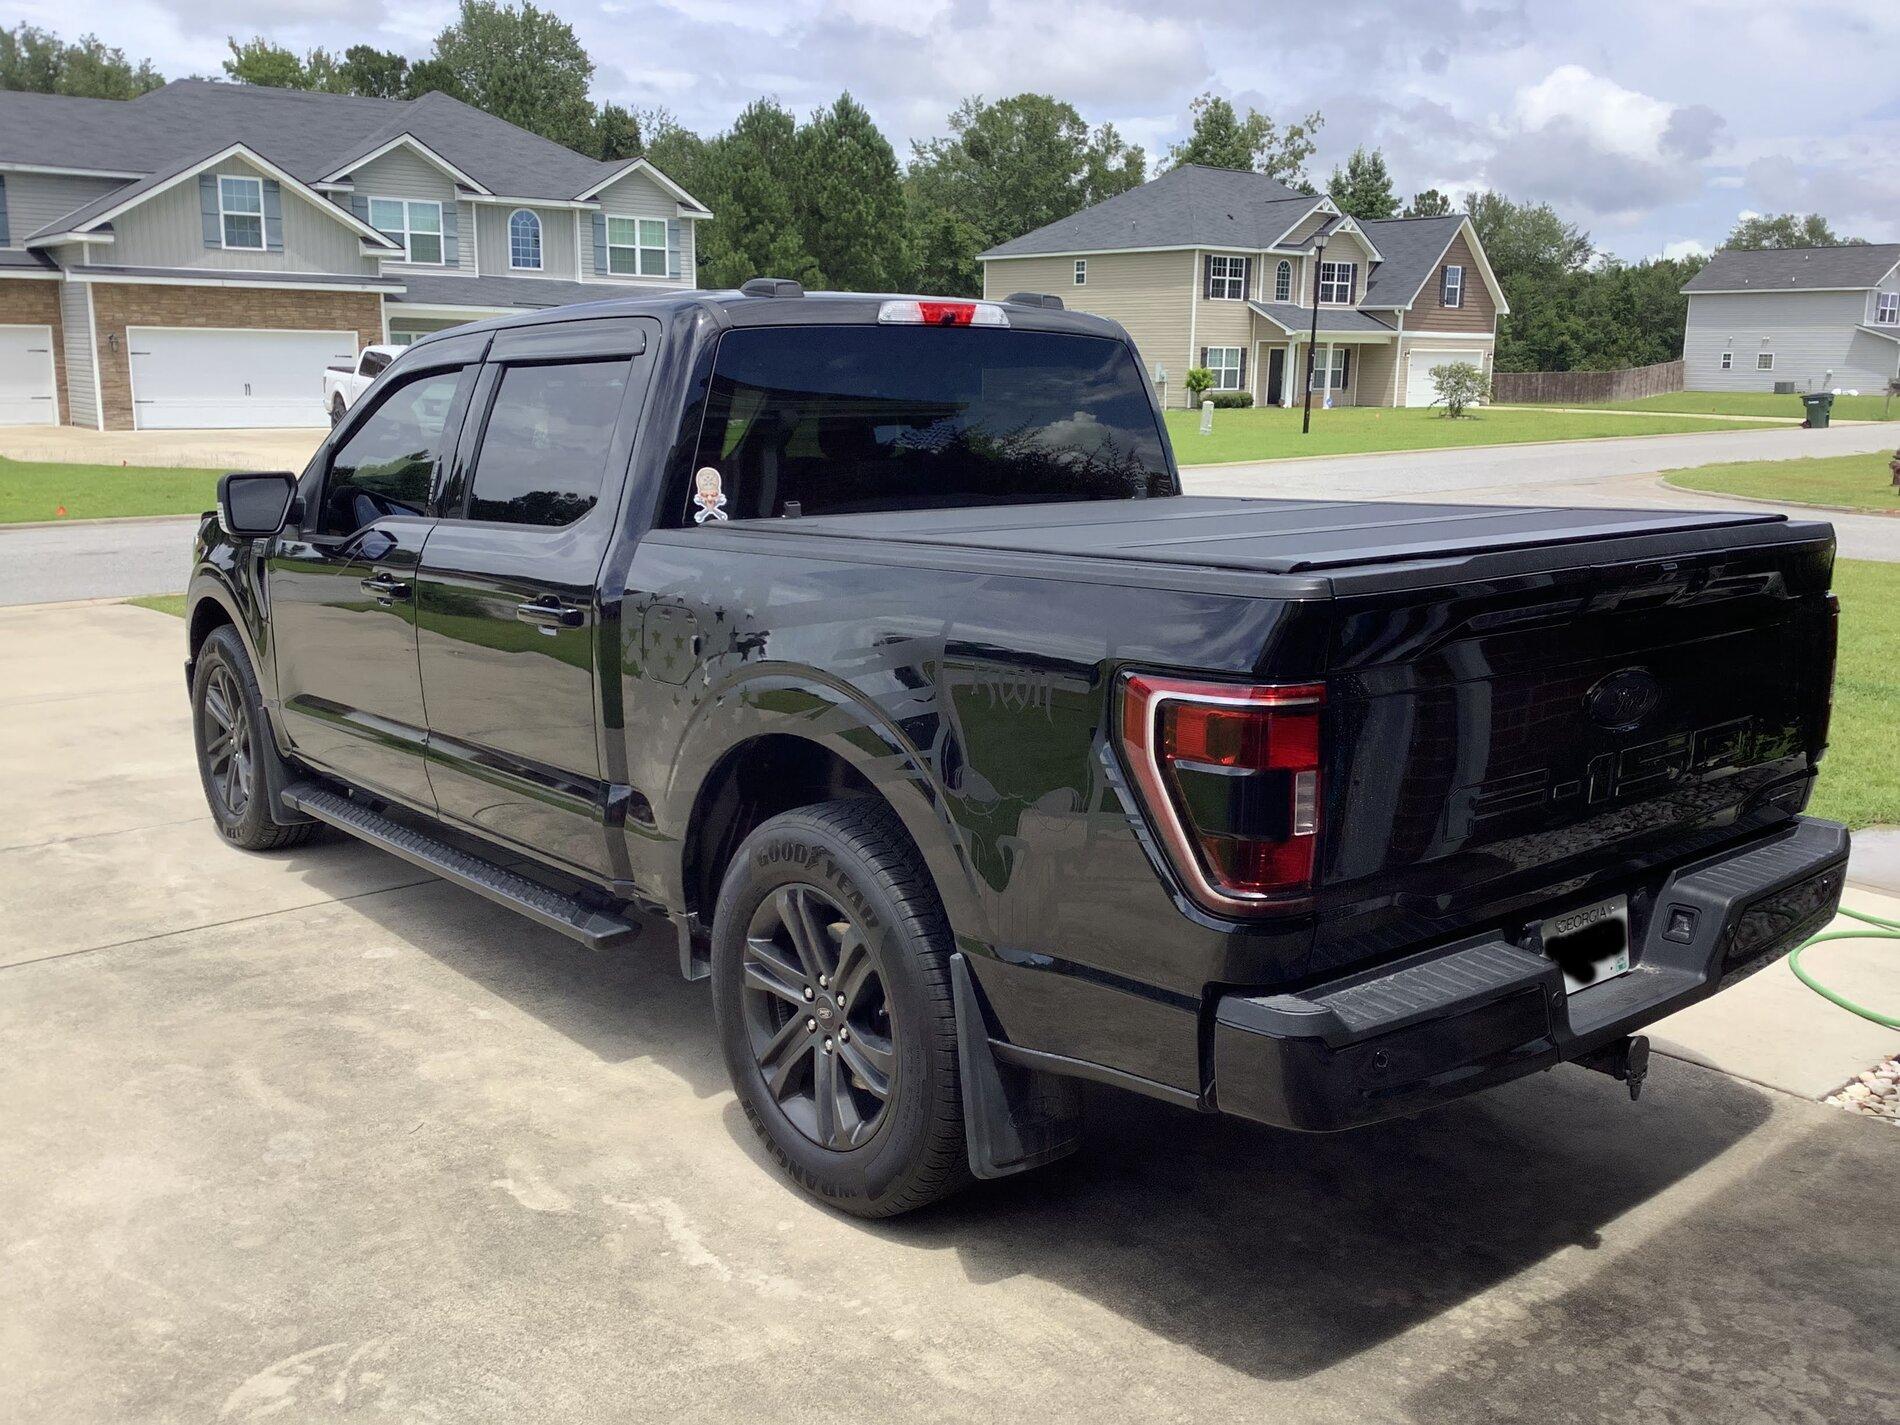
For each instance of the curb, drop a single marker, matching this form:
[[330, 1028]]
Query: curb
[[1778, 504], [100, 520]]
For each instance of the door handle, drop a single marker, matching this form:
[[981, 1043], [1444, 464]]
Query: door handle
[[550, 614], [386, 588]]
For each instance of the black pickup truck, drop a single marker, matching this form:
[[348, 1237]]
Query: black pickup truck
[[871, 642]]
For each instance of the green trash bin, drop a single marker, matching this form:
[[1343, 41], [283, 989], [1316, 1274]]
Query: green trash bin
[[1818, 404]]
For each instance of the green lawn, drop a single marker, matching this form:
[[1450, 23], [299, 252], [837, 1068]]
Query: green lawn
[[1270, 433], [89, 492], [1860, 777], [1760, 403], [1862, 482], [173, 604]]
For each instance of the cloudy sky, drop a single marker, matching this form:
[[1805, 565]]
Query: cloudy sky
[[1653, 124]]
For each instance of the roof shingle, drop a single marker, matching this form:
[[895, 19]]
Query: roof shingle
[[1795, 269]]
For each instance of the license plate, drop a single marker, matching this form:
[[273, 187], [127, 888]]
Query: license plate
[[1590, 944]]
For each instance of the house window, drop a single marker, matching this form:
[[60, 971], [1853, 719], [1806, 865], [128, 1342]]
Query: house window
[[241, 211], [1332, 368], [524, 240], [416, 225], [1452, 289], [1224, 362], [1337, 281], [1764, 361], [636, 247], [1887, 309], [1728, 360], [1081, 271], [1283, 282], [1227, 278]]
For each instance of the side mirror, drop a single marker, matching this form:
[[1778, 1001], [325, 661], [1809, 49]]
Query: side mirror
[[255, 505]]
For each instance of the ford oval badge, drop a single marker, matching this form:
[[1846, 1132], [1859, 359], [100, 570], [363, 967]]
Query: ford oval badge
[[1623, 699]]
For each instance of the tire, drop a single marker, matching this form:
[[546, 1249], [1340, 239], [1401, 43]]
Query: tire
[[233, 740], [337, 409], [842, 876]]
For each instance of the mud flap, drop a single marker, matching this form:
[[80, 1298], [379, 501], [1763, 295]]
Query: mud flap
[[1014, 1119]]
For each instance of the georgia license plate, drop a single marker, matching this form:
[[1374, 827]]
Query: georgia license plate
[[1590, 944]]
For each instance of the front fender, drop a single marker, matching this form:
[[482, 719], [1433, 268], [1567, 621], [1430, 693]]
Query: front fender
[[897, 749]]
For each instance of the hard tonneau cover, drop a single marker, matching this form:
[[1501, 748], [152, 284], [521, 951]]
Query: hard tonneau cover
[[1284, 536]]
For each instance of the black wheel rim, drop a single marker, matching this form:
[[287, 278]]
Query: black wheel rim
[[818, 1018], [225, 727]]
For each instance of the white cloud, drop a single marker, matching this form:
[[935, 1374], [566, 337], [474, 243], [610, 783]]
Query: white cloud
[[1684, 247]]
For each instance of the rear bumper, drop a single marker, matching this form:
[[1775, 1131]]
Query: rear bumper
[[1465, 1016]]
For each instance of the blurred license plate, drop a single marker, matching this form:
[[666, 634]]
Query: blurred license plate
[[1590, 944]]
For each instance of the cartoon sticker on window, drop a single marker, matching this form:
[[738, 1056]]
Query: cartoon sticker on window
[[708, 495]]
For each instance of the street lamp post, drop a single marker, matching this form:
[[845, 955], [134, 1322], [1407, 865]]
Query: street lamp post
[[1312, 340]]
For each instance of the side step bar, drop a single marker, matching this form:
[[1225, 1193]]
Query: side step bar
[[597, 929]]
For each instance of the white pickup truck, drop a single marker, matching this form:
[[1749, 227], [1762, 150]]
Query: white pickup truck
[[345, 381]]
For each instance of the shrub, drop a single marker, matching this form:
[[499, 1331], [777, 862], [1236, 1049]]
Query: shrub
[[1460, 384], [1231, 400], [1197, 380]]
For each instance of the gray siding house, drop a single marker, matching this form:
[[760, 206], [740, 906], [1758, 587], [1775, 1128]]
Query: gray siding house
[[1794, 319], [196, 256]]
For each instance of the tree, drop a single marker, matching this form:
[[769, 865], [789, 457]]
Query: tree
[[1534, 254], [38, 62], [1787, 230], [1007, 168], [1363, 189], [375, 73], [1428, 204], [1459, 384], [433, 76], [616, 134], [1222, 139], [524, 65], [850, 201], [743, 177], [1197, 379], [943, 245], [258, 61]]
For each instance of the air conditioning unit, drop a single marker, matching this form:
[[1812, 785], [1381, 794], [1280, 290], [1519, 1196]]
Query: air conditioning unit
[[1784, 388]]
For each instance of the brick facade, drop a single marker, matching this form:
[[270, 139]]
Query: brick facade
[[117, 306], [35, 302]]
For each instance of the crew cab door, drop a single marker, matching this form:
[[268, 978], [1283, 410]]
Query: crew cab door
[[509, 620], [342, 585]]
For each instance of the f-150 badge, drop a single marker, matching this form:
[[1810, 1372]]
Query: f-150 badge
[[708, 495]]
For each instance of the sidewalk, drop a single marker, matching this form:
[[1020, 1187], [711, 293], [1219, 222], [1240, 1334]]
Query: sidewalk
[[189, 449]]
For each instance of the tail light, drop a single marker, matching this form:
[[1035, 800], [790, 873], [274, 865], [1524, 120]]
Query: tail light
[[1231, 776], [943, 314]]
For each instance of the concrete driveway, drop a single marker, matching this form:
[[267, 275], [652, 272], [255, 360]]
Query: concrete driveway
[[312, 1137]]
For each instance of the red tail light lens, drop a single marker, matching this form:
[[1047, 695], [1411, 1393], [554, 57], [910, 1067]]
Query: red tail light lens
[[1231, 776]]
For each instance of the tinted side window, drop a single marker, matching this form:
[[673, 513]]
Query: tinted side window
[[544, 452], [374, 362], [386, 465]]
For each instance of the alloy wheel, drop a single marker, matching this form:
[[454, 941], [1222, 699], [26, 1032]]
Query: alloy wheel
[[818, 1018], [226, 732]]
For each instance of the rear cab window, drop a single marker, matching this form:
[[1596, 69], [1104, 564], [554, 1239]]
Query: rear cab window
[[856, 419]]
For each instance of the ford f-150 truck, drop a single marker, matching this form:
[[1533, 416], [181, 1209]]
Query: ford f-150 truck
[[872, 643], [346, 380]]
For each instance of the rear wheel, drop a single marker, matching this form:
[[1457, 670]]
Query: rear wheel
[[233, 741], [831, 981], [337, 409]]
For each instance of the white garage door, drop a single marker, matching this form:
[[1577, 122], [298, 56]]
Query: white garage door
[[191, 379], [1419, 366], [27, 397]]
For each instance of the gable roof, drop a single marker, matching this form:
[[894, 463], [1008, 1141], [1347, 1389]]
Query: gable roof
[[1796, 269], [101, 210], [1188, 206], [1412, 247], [308, 135]]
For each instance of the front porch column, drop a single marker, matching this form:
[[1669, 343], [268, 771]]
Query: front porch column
[[1292, 375]]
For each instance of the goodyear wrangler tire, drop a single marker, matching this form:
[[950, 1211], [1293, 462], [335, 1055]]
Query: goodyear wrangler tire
[[831, 981]]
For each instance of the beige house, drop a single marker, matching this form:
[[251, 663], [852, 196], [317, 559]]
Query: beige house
[[1219, 268]]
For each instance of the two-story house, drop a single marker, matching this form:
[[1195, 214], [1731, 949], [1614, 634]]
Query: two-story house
[[1794, 319], [195, 257], [1221, 268]]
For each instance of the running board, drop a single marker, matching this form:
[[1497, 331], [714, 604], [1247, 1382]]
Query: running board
[[597, 929]]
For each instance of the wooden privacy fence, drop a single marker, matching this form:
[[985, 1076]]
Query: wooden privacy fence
[[1584, 388]]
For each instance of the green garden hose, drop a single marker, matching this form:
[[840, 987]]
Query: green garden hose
[[1889, 930]]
